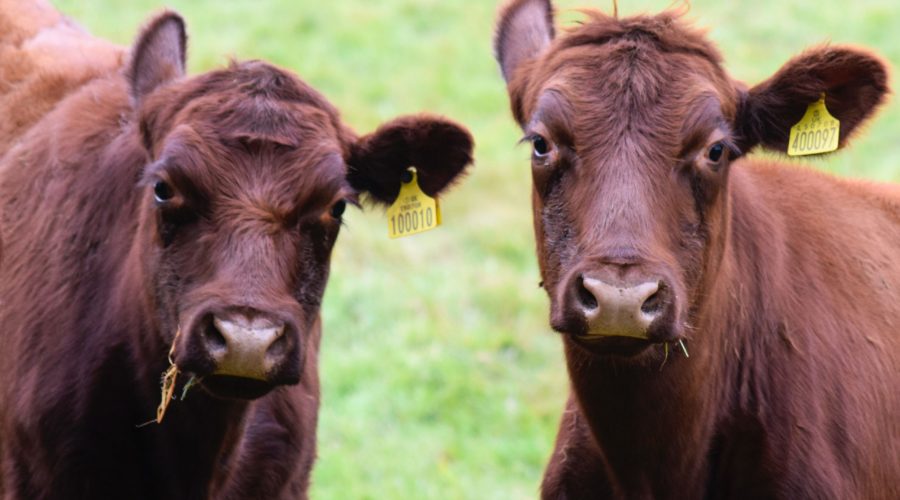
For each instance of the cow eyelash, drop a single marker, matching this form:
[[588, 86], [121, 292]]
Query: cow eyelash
[[732, 148], [350, 200]]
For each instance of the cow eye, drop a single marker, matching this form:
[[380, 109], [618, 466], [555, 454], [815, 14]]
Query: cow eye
[[715, 152], [337, 210], [541, 146], [162, 191]]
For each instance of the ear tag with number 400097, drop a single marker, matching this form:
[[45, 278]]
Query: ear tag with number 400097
[[413, 211], [817, 132]]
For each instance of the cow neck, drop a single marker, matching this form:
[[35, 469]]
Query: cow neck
[[646, 416]]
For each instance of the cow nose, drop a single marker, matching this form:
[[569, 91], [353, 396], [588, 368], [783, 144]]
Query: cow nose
[[245, 347], [619, 310]]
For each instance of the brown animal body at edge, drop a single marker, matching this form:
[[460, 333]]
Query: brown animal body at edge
[[144, 213], [658, 239]]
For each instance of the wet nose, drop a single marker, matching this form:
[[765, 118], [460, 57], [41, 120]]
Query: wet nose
[[243, 346], [619, 309]]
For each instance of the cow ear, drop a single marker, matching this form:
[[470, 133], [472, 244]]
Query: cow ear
[[854, 83], [158, 55], [524, 30], [438, 148]]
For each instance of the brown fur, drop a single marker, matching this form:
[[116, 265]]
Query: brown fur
[[781, 281], [43, 58], [96, 277]]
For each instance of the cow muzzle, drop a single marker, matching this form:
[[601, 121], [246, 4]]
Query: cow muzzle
[[607, 304], [242, 353], [619, 310], [244, 347]]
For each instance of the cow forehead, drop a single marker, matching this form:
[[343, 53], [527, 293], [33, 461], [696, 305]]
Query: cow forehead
[[255, 128], [636, 109], [250, 100], [667, 32], [621, 71], [240, 117]]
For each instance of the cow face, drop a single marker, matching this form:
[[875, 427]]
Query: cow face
[[250, 173], [634, 126]]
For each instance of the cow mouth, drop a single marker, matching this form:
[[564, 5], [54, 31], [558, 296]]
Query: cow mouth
[[612, 345], [626, 346], [232, 387]]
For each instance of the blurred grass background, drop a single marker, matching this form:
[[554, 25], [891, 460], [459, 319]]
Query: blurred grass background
[[441, 378]]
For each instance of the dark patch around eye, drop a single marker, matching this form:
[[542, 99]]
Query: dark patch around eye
[[313, 255], [700, 194]]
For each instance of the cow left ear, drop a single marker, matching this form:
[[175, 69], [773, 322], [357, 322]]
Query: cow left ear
[[853, 81], [438, 148], [158, 55]]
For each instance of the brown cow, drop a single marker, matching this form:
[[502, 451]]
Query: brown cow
[[144, 210], [778, 286]]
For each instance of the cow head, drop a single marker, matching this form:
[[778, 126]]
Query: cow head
[[634, 126], [250, 171]]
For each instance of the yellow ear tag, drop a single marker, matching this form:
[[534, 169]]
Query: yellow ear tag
[[817, 132], [413, 211]]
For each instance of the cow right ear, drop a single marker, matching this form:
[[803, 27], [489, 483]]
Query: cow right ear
[[158, 55], [854, 83], [439, 149], [524, 30]]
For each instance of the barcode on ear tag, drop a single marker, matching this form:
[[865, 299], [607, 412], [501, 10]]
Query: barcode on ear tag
[[413, 211], [817, 132]]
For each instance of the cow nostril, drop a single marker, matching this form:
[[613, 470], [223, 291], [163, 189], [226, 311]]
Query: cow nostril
[[652, 304], [279, 346], [587, 299], [214, 338], [655, 302]]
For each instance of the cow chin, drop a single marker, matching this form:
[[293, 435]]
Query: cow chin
[[231, 387]]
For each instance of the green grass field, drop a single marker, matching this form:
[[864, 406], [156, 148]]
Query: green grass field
[[441, 376]]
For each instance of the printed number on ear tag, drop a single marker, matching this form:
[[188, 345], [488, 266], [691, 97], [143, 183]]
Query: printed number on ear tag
[[413, 211], [817, 132]]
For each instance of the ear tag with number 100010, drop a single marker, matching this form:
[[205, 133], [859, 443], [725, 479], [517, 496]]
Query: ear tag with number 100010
[[817, 132], [413, 211]]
